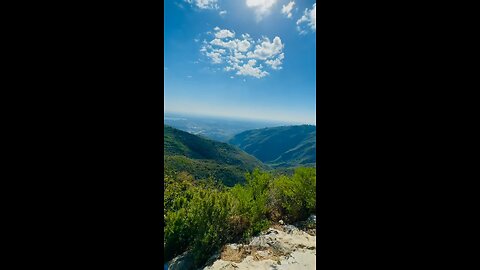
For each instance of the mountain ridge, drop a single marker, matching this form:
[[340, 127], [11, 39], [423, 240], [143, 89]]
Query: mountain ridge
[[283, 146], [203, 157]]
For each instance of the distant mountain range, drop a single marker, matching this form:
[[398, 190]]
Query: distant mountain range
[[215, 128], [202, 157], [280, 147]]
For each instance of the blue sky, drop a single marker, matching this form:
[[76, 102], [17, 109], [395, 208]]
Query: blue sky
[[244, 58]]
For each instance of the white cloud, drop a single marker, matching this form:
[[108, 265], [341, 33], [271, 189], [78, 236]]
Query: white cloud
[[223, 33], [249, 69], [243, 45], [244, 56], [246, 36], [310, 18], [238, 55], [232, 44], [262, 7], [223, 12], [267, 49], [215, 56], [275, 64], [204, 4], [287, 9]]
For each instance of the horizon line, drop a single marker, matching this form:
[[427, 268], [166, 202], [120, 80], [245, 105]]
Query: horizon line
[[239, 117]]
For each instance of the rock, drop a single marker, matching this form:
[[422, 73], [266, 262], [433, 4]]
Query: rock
[[259, 241], [271, 231], [234, 246], [279, 249], [262, 253], [182, 262], [290, 229], [234, 252], [212, 259], [288, 248], [281, 222]]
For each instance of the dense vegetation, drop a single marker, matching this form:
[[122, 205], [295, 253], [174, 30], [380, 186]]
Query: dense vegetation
[[280, 147], [201, 216], [204, 158]]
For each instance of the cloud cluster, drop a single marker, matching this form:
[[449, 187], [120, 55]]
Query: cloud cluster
[[262, 7], [310, 18], [204, 4], [287, 9], [244, 56]]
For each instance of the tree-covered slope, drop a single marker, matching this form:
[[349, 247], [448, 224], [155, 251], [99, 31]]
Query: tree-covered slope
[[286, 146], [203, 158]]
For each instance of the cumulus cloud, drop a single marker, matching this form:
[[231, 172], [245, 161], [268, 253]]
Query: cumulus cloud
[[204, 4], [223, 33], [249, 69], [232, 44], [287, 9], [310, 18], [275, 64], [243, 45], [267, 49], [215, 56], [244, 56], [262, 7]]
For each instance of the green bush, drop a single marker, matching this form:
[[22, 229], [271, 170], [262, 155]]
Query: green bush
[[202, 216], [294, 197]]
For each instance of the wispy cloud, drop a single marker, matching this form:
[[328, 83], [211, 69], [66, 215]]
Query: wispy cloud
[[204, 4], [222, 13], [310, 18], [245, 56], [287, 9], [262, 7]]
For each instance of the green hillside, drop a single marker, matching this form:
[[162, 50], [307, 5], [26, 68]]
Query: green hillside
[[280, 147], [203, 158]]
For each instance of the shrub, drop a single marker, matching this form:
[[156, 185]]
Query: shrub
[[202, 216]]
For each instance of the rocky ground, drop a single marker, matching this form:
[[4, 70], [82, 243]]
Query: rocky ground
[[280, 247]]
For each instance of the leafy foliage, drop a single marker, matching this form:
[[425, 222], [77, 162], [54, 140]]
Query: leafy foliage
[[203, 215]]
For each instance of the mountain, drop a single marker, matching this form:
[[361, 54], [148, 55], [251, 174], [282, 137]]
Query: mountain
[[214, 127], [202, 157], [280, 147]]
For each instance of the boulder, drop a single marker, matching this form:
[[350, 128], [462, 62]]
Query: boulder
[[182, 262]]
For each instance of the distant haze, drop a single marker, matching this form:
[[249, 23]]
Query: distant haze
[[220, 128]]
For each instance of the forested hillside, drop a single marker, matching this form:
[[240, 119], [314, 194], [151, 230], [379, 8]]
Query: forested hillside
[[204, 158], [285, 146]]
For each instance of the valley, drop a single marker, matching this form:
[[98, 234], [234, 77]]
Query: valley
[[221, 199]]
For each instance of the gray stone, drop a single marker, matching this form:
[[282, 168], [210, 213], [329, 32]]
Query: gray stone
[[182, 262], [290, 229], [259, 241]]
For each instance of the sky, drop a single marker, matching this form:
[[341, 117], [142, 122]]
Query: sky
[[253, 59]]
